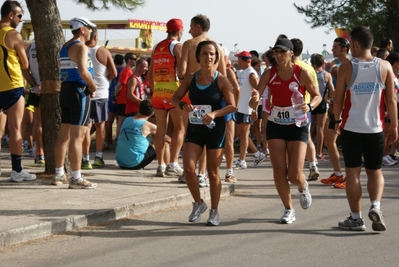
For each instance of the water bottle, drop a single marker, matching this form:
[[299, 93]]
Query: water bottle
[[210, 125], [297, 100]]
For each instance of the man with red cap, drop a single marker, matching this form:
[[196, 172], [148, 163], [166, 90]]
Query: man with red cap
[[248, 82], [163, 78]]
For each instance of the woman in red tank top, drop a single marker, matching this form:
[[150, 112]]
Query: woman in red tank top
[[287, 142]]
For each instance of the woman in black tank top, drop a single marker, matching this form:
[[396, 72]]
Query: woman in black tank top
[[206, 88]]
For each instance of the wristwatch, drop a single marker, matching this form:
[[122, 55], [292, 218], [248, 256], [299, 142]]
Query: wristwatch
[[310, 105]]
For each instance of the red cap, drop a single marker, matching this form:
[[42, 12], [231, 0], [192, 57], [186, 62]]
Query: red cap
[[243, 54], [174, 25]]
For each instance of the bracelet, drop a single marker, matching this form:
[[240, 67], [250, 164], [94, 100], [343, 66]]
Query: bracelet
[[181, 105], [337, 121]]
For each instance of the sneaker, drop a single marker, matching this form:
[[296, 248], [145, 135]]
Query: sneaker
[[229, 177], [31, 152], [305, 198], [198, 208], [39, 160], [387, 162], [173, 171], [332, 179], [180, 154], [258, 159], [288, 216], [313, 174], [341, 184], [393, 157], [239, 164], [377, 218], [214, 218], [161, 171], [86, 165], [223, 157], [320, 157], [351, 224], [21, 176], [81, 184], [203, 181], [98, 162], [59, 179], [181, 179]]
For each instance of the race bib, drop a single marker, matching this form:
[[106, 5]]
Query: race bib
[[195, 116], [282, 115]]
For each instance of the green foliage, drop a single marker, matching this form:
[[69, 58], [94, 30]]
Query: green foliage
[[347, 14], [129, 5]]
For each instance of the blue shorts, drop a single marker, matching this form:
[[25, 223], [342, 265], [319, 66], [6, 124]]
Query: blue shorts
[[98, 110], [10, 97], [243, 118], [112, 106], [229, 117]]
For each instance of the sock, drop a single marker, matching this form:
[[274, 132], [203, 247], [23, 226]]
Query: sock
[[312, 164], [338, 173], [376, 204], [99, 154], [86, 157], [230, 171], [356, 215], [76, 175], [163, 166], [257, 154], [16, 163], [172, 164], [59, 171]]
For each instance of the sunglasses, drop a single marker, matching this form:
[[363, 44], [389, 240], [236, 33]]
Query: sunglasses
[[133, 58], [19, 16]]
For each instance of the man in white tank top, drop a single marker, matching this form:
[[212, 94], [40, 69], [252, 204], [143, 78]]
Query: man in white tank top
[[104, 71], [367, 84]]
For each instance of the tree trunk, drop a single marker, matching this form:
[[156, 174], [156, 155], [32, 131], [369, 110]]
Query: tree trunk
[[47, 27], [393, 23]]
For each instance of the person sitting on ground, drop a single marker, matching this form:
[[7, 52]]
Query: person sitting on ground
[[134, 150]]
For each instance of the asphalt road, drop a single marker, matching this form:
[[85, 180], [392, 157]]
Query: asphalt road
[[249, 233]]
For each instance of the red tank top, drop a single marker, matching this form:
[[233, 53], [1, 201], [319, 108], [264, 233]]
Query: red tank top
[[280, 89], [131, 106], [164, 62]]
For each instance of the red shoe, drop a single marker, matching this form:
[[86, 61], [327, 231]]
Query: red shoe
[[341, 184], [332, 179]]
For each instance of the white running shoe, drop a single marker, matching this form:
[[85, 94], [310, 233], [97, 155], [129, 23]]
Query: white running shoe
[[288, 216], [21, 176]]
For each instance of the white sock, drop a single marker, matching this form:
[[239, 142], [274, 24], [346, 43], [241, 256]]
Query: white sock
[[86, 157], [356, 215], [163, 166], [257, 154], [76, 175], [376, 204], [338, 173], [172, 164], [59, 171], [230, 171], [99, 154]]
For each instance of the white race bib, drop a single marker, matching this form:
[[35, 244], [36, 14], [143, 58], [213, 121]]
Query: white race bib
[[195, 116], [282, 115]]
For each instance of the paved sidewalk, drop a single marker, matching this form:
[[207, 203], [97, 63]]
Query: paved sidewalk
[[36, 209]]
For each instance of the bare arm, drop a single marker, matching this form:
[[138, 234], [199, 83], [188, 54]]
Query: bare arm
[[78, 53], [232, 77], [151, 72], [308, 81], [112, 72], [18, 45], [390, 101], [344, 74], [263, 82], [330, 85], [182, 66], [181, 91]]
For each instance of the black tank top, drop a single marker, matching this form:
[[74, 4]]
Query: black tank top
[[207, 95]]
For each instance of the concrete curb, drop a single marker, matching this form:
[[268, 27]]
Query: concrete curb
[[46, 229]]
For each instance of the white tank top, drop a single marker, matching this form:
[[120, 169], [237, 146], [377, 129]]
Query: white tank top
[[34, 66], [245, 89], [100, 72]]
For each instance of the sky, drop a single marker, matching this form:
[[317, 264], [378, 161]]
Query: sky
[[248, 24]]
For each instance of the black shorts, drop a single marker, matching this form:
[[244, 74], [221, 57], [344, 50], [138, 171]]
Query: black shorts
[[354, 145], [321, 108], [331, 121], [287, 132], [203, 136], [10, 97], [243, 118], [260, 108], [149, 156], [33, 100], [75, 104], [99, 110], [121, 110]]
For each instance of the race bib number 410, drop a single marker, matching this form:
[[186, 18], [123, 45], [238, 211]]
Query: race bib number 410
[[282, 115]]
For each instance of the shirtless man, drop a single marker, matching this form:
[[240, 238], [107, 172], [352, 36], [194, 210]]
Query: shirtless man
[[199, 27]]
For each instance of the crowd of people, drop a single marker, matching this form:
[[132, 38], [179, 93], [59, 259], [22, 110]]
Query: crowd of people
[[192, 100]]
